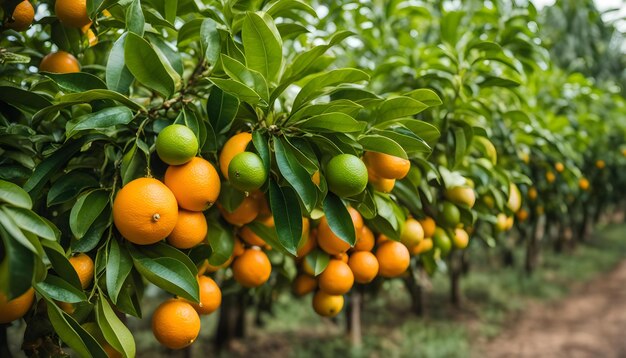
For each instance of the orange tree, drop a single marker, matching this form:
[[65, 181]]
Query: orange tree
[[245, 147]]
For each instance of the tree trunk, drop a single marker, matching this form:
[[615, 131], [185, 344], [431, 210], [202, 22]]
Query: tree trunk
[[354, 320], [4, 342], [231, 321], [416, 292]]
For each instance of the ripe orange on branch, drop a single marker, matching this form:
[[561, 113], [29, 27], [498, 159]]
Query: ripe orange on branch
[[175, 324], [252, 268], [145, 211], [22, 17], [17, 307], [387, 166], [233, 146], [195, 184], [59, 62], [84, 267]]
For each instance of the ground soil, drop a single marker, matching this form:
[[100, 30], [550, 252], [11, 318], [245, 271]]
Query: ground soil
[[591, 322]]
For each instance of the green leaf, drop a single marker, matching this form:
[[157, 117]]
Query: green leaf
[[262, 45], [133, 164], [61, 264], [426, 131], [332, 122], [72, 184], [318, 260], [210, 40], [260, 144], [167, 273], [406, 139], [17, 267], [161, 249], [425, 96], [26, 101], [60, 290], [76, 82], [146, 65], [135, 21], [14, 195], [221, 241], [102, 119], [284, 7], [494, 81], [114, 331], [398, 107], [118, 266], [450, 24], [378, 143], [118, 77], [221, 109], [71, 332], [294, 173], [86, 209], [325, 82], [287, 216], [14, 231], [252, 79], [239, 90], [339, 219], [30, 222]]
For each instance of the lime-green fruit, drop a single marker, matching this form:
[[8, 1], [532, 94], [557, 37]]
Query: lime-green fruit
[[451, 214], [346, 175], [176, 144], [246, 172], [442, 241]]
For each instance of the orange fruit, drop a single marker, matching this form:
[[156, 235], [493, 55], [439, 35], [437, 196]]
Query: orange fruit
[[59, 62], [233, 146], [337, 278], [175, 324], [364, 266], [72, 13], [22, 17], [341, 257], [357, 219], [387, 166], [559, 167], [306, 244], [501, 222], [327, 305], [84, 267], [424, 246], [315, 178], [17, 307], [522, 215], [600, 164], [195, 184], [264, 208], [381, 238], [206, 267], [238, 248], [190, 230], [550, 177], [412, 233], [381, 184], [463, 195], [210, 296], [66, 307], [245, 213], [328, 241], [364, 239], [393, 259], [304, 284], [145, 211], [252, 268], [460, 238], [532, 193], [92, 39], [250, 237], [583, 184], [428, 225]]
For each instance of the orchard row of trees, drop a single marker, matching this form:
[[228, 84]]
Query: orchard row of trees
[[232, 151]]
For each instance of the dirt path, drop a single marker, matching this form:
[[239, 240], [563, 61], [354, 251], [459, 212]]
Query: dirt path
[[589, 323]]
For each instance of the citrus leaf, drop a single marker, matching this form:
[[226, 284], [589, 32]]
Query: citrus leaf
[[14, 195], [287, 216], [263, 47], [60, 290], [339, 218], [107, 117], [221, 109], [118, 77], [118, 266], [114, 331], [31, 222], [294, 173], [146, 65], [86, 209]]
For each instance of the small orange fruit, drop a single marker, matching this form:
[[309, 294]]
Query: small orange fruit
[[210, 296], [387, 166], [145, 211], [195, 184], [550, 177], [92, 39], [381, 238], [463, 195], [381, 184], [22, 17], [583, 184], [59, 62], [315, 178], [84, 267], [460, 238], [175, 324], [364, 266], [559, 167], [238, 248], [190, 230], [252, 268], [393, 259], [341, 257], [429, 225], [337, 278], [72, 13], [424, 246], [304, 284], [245, 213], [357, 219], [327, 305], [328, 241], [250, 237], [412, 233], [233, 146], [600, 164], [364, 239], [17, 307], [532, 193], [306, 244], [522, 215]]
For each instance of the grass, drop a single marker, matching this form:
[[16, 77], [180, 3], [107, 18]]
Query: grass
[[491, 296]]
